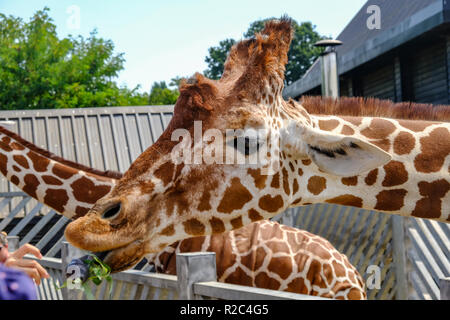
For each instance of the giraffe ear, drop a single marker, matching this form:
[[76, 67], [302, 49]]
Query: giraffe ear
[[333, 153], [342, 155]]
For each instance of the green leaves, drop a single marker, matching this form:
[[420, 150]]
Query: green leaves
[[38, 70], [98, 271], [162, 95]]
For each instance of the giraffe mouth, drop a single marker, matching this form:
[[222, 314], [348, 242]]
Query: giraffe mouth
[[124, 257]]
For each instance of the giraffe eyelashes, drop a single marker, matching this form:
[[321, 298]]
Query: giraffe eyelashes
[[112, 212], [329, 153]]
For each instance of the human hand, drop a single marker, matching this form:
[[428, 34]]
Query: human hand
[[31, 267]]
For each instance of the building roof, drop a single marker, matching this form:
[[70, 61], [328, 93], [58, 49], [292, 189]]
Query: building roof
[[401, 21]]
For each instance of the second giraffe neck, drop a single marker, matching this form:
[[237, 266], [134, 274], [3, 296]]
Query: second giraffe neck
[[69, 188]]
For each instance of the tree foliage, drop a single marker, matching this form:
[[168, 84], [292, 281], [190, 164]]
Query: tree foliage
[[217, 57], [302, 52], [160, 94], [39, 70]]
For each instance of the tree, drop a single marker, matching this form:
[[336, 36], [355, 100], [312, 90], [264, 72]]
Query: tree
[[160, 94], [39, 70], [217, 57], [302, 52]]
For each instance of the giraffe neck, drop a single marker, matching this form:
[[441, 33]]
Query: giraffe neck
[[69, 188], [415, 183]]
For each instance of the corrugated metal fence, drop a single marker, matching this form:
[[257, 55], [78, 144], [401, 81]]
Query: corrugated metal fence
[[398, 257]]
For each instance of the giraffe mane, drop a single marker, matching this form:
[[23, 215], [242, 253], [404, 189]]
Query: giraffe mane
[[107, 174], [371, 107]]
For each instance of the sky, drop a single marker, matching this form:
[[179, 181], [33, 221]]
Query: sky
[[165, 39]]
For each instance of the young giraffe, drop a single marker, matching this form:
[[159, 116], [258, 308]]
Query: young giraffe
[[263, 254], [394, 166]]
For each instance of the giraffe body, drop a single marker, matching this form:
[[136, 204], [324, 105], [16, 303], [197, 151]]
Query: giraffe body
[[268, 255]]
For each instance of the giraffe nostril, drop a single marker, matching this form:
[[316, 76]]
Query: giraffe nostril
[[112, 211]]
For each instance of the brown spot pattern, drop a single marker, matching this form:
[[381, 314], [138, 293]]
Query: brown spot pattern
[[378, 129], [31, 184], [80, 211], [237, 222], [435, 148], [168, 231], [85, 190], [391, 200], [52, 180], [396, 174], [371, 177], [40, 163], [275, 181], [271, 204], [286, 188], [264, 281], [416, 126], [430, 205], [17, 146], [204, 204], [63, 172], [254, 215], [260, 180], [316, 184], [347, 200], [328, 125], [281, 266], [21, 161], [3, 162], [56, 198], [165, 172], [346, 130], [351, 181], [235, 197], [194, 227], [217, 225], [15, 180], [404, 143]]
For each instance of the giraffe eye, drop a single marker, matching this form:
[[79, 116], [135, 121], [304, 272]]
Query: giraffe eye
[[112, 212], [246, 145]]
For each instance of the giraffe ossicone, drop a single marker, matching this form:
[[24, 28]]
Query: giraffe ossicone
[[372, 162]]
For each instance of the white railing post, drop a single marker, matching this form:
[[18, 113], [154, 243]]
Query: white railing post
[[444, 285], [68, 253], [399, 257], [13, 243], [192, 268]]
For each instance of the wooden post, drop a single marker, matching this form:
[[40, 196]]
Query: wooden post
[[13, 243], [445, 288], [399, 257], [192, 268], [68, 253]]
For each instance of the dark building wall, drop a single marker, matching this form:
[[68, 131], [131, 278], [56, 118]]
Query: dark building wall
[[418, 72]]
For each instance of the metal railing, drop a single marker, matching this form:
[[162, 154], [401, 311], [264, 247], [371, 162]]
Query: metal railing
[[196, 280]]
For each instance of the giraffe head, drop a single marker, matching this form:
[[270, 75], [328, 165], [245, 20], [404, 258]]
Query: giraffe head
[[209, 171]]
